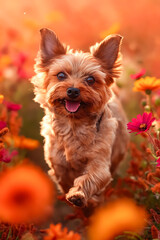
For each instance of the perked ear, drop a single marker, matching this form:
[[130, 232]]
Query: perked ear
[[108, 52], [50, 45]]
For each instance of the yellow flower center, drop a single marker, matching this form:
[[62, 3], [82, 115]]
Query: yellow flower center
[[143, 126]]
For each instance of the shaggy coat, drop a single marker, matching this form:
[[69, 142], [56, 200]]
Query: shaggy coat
[[84, 126]]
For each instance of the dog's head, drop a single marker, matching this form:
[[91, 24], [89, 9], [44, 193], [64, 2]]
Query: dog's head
[[72, 83]]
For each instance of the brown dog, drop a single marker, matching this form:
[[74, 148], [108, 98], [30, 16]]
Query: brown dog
[[84, 125]]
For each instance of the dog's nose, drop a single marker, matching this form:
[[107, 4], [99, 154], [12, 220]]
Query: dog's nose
[[73, 92]]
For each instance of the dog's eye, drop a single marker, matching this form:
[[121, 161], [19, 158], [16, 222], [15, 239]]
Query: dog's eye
[[90, 80], [61, 76]]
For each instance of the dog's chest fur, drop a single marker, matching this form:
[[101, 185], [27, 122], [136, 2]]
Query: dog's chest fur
[[73, 144], [75, 140]]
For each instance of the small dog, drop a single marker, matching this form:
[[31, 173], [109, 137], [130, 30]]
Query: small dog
[[84, 124]]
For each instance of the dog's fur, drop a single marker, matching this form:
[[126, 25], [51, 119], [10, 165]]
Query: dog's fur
[[82, 148]]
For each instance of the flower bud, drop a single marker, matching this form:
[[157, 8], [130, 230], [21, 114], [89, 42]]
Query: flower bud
[[157, 102], [147, 108], [143, 102]]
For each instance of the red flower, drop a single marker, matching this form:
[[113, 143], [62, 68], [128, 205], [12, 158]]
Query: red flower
[[12, 106], [5, 156], [155, 233], [140, 124], [155, 215], [20, 59], [138, 75], [2, 125], [22, 73], [158, 162]]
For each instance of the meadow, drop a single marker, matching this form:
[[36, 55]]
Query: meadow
[[132, 201]]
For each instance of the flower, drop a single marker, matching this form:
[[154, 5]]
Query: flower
[[12, 106], [26, 194], [155, 215], [147, 84], [27, 143], [115, 218], [22, 142], [1, 98], [2, 125], [140, 124], [5, 156], [19, 61], [3, 131], [155, 233], [156, 188], [158, 162], [55, 232], [153, 177], [138, 75], [3, 128]]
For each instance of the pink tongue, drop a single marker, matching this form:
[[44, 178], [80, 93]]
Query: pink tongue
[[72, 106]]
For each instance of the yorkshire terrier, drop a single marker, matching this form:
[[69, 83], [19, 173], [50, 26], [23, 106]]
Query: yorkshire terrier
[[84, 124]]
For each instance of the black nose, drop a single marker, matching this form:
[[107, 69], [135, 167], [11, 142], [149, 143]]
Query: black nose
[[73, 92]]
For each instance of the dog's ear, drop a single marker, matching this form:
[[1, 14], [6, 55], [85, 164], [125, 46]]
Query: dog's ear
[[108, 52], [50, 46]]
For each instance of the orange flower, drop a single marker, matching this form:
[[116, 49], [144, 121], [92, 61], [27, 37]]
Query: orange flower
[[26, 194], [156, 188], [115, 218], [147, 84], [22, 142], [1, 98], [153, 177], [55, 232], [155, 233]]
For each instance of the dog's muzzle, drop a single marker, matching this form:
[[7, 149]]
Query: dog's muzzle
[[73, 92]]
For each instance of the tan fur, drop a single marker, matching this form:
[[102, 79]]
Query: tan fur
[[84, 148]]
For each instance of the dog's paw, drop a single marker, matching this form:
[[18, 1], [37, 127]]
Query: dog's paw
[[77, 199]]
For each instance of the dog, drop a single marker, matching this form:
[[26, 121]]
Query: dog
[[84, 126]]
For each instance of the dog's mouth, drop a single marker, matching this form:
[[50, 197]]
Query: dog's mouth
[[71, 106]]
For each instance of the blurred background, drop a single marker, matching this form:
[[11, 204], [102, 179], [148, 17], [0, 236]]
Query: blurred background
[[80, 24]]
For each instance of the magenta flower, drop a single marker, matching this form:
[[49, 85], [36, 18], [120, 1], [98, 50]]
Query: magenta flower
[[138, 75], [22, 73], [12, 106], [158, 162], [5, 156], [2, 125], [20, 59], [140, 124]]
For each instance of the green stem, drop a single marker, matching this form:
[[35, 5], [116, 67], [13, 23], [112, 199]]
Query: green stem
[[152, 141], [148, 97]]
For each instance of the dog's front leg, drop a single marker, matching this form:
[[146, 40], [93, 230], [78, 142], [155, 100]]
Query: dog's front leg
[[93, 182], [96, 175]]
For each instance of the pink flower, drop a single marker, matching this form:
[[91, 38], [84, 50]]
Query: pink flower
[[22, 73], [12, 106], [138, 75], [2, 125], [5, 156], [158, 162], [20, 59], [141, 124]]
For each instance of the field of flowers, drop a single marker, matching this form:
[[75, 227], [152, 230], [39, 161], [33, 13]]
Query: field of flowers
[[31, 208]]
